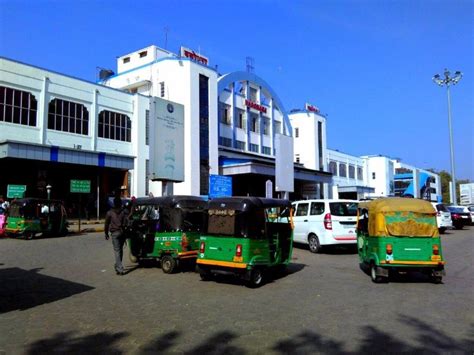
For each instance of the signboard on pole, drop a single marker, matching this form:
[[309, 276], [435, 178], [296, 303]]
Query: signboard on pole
[[81, 186], [284, 167], [16, 191], [220, 186], [167, 140]]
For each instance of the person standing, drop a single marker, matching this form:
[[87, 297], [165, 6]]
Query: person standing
[[115, 220]]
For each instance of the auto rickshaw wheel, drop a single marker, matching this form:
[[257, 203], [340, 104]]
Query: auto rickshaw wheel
[[313, 242], [373, 274], [168, 264], [29, 235], [205, 275], [256, 278]]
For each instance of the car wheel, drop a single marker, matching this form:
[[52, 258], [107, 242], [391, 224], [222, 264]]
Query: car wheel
[[168, 264], [256, 278], [458, 226], [373, 274], [313, 242], [442, 230]]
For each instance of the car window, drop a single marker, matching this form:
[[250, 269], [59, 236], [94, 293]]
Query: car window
[[317, 208], [456, 209], [343, 208], [441, 208], [471, 209], [302, 209]]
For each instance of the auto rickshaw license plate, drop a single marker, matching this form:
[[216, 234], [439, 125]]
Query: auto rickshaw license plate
[[435, 257], [238, 259]]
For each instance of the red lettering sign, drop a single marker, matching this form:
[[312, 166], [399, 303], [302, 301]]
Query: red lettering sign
[[192, 55], [255, 106]]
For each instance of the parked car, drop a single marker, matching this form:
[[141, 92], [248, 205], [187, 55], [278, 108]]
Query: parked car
[[460, 216], [471, 211], [443, 217], [324, 222]]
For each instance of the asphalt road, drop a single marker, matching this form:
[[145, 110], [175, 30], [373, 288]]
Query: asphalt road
[[62, 296]]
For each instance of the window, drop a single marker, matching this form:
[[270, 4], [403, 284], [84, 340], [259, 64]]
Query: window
[[224, 116], [254, 122], [147, 173], [253, 94], [373, 176], [126, 60], [360, 173], [147, 127], [162, 89], [320, 145], [17, 106], [351, 172], [317, 208], [117, 126], [266, 150], [266, 126], [343, 208], [239, 145], [342, 170], [240, 119], [253, 148], [297, 158], [226, 142], [333, 168], [297, 132], [68, 116], [302, 209], [143, 54], [277, 127]]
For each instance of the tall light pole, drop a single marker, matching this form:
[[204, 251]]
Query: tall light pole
[[448, 81]]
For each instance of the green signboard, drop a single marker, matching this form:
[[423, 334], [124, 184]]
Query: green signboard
[[81, 186], [16, 191]]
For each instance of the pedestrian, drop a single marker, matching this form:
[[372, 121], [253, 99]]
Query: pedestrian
[[115, 220]]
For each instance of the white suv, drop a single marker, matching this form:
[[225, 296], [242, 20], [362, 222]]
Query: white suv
[[443, 217], [324, 222]]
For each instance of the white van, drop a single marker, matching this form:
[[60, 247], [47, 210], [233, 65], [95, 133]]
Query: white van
[[325, 222]]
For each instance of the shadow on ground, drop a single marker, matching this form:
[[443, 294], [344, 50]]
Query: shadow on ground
[[22, 289], [427, 340], [339, 249]]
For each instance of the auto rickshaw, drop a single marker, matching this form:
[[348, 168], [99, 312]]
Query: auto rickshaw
[[28, 217], [246, 236], [166, 229], [399, 234]]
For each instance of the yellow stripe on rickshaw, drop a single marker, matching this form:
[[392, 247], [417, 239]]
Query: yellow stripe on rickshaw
[[222, 263], [403, 262]]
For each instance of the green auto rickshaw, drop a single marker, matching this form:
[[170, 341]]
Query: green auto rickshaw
[[29, 217], [246, 236], [399, 234], [166, 229]]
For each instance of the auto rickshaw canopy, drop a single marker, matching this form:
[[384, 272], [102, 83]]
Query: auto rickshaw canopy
[[396, 216]]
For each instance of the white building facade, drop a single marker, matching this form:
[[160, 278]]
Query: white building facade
[[55, 128], [232, 123]]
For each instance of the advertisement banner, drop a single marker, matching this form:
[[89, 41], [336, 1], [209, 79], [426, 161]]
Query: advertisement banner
[[284, 179], [167, 142]]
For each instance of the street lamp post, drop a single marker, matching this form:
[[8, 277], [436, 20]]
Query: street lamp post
[[448, 81], [48, 190]]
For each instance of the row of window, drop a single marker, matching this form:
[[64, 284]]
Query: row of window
[[20, 107], [227, 142], [254, 121], [333, 169]]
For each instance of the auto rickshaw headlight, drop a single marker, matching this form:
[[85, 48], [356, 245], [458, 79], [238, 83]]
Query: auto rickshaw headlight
[[389, 249]]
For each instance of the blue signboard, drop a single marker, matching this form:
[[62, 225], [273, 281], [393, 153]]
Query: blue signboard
[[220, 186]]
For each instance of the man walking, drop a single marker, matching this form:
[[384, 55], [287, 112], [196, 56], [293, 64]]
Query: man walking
[[114, 222]]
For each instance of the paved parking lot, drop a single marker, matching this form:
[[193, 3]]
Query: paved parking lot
[[62, 295]]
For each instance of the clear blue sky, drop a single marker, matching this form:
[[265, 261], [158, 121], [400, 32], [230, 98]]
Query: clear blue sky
[[366, 64]]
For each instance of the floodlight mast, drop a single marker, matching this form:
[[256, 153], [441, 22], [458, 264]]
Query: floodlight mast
[[448, 81]]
